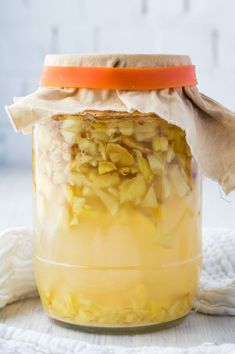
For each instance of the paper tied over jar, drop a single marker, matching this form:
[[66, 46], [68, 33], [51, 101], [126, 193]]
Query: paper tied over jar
[[209, 127]]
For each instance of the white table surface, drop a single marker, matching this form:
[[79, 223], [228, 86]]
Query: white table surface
[[16, 210]]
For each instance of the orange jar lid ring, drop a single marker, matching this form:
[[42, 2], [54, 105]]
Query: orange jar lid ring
[[131, 78]]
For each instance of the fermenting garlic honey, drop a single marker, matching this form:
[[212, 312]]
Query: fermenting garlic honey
[[117, 220]]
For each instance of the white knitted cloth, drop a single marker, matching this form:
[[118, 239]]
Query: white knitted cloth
[[216, 296]]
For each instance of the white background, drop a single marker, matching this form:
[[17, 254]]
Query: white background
[[29, 29]]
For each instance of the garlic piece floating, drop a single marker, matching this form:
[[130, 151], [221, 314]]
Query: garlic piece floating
[[133, 190], [105, 167], [126, 127], [119, 155], [150, 200], [156, 164], [178, 181], [106, 181], [143, 165], [108, 200]]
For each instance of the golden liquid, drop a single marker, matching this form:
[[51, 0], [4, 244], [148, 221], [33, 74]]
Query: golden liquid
[[137, 266]]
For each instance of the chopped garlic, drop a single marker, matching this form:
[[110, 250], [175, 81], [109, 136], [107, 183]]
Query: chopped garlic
[[119, 155], [133, 190], [105, 167], [150, 200]]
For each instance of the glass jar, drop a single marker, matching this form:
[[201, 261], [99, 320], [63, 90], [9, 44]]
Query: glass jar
[[117, 188], [117, 220]]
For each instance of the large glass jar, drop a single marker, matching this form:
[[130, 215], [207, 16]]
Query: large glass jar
[[117, 188], [117, 220]]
